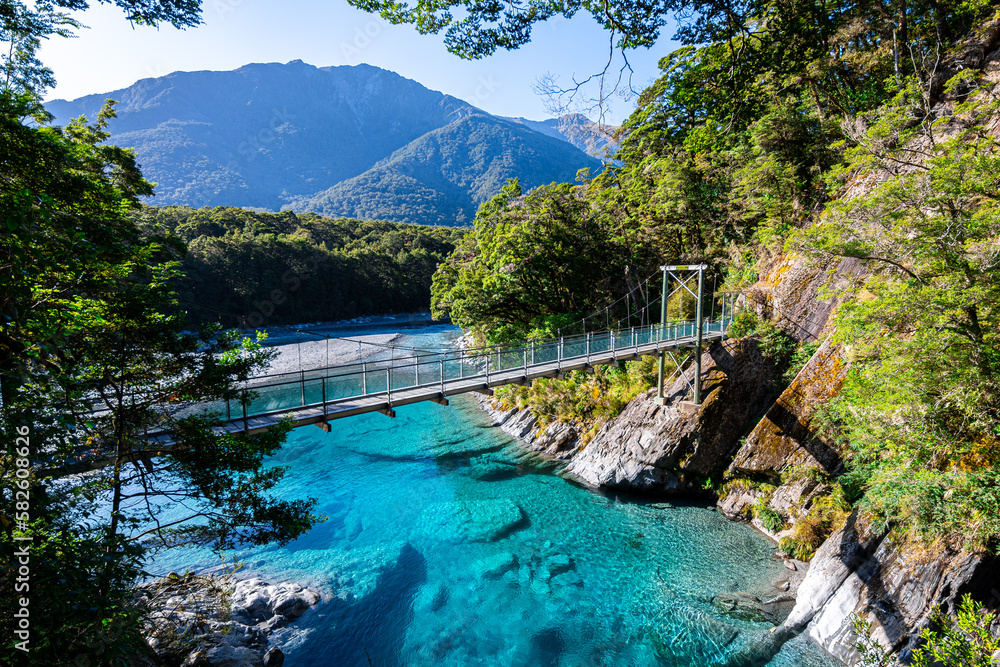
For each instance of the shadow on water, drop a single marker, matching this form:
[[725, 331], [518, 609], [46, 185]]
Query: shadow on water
[[371, 630], [544, 650]]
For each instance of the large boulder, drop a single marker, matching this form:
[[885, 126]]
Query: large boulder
[[666, 448], [204, 620], [859, 572]]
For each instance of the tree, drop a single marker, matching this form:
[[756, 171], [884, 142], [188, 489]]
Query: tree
[[88, 321], [533, 264], [921, 407], [22, 27]]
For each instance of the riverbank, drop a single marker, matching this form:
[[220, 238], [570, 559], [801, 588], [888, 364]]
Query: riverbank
[[310, 353], [219, 620], [321, 344]]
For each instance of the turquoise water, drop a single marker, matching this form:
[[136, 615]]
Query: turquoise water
[[446, 546]]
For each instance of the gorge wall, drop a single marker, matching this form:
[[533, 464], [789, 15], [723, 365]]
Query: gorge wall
[[774, 460]]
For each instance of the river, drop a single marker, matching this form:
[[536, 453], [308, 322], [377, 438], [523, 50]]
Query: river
[[444, 545]]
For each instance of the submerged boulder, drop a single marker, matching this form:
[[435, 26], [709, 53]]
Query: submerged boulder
[[468, 521]]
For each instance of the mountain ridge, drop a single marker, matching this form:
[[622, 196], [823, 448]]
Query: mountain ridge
[[271, 136]]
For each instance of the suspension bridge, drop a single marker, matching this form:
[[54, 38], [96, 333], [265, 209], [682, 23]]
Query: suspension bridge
[[317, 396]]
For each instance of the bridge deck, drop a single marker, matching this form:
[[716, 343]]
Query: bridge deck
[[385, 402], [397, 381]]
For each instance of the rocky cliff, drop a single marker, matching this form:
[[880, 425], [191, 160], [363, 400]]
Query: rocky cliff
[[785, 463], [775, 462]]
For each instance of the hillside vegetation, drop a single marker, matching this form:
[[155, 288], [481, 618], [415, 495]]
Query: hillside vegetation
[[856, 131], [442, 177], [248, 269]]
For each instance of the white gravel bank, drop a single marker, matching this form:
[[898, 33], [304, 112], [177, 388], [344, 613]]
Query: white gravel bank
[[312, 353]]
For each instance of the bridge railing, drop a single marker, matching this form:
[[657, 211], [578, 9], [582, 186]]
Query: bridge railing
[[285, 391]]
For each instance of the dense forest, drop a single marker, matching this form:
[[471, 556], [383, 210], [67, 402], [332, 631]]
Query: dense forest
[[860, 130], [246, 269], [443, 176]]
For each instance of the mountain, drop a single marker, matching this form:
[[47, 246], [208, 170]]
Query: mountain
[[590, 137], [273, 135], [444, 175]]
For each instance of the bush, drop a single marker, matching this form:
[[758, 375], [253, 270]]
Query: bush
[[776, 345], [587, 399], [801, 355], [769, 518], [963, 639], [827, 514]]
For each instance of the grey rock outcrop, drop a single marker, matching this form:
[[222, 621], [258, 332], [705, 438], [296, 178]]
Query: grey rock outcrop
[[859, 572], [199, 620], [557, 441], [665, 448], [787, 440]]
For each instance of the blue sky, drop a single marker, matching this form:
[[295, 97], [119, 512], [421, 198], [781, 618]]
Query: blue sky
[[111, 54]]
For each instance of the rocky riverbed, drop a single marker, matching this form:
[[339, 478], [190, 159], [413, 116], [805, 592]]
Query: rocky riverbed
[[218, 621]]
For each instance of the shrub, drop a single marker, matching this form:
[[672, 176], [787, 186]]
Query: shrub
[[827, 514], [769, 518], [963, 639], [588, 399]]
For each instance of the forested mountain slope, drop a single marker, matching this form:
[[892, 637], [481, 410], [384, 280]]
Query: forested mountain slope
[[266, 134], [442, 177]]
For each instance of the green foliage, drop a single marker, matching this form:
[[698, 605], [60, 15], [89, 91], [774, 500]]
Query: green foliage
[[441, 177], [871, 651], [769, 518], [826, 514], [23, 26], [248, 269], [775, 344], [920, 406], [90, 320], [962, 638], [587, 400], [801, 355], [532, 264], [779, 182]]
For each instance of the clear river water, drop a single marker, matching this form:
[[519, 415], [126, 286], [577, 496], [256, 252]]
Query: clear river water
[[445, 546]]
